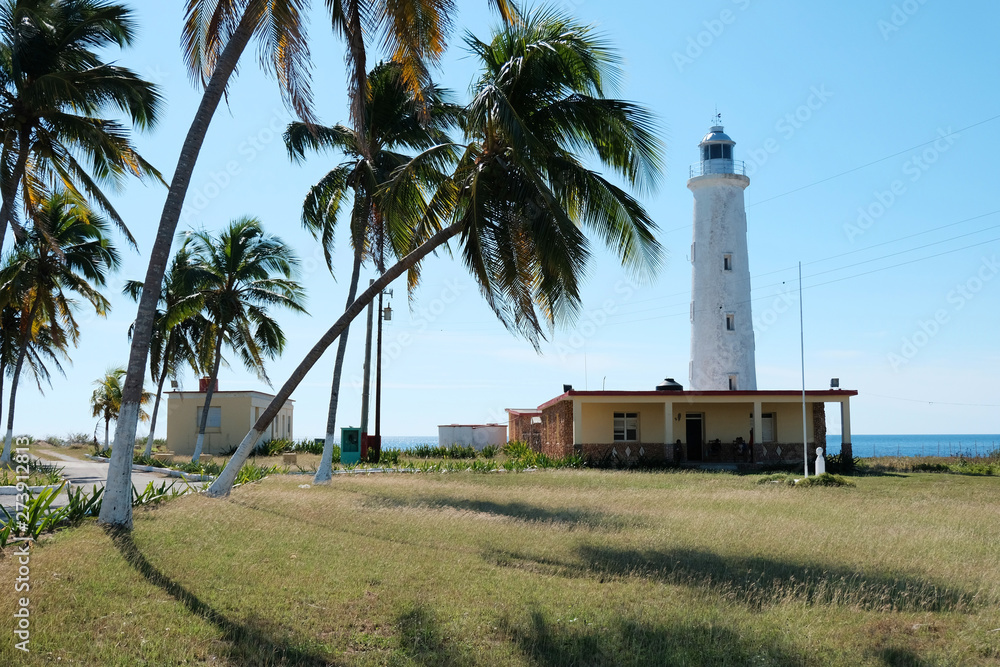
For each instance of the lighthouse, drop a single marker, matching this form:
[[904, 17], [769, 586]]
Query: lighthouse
[[722, 342]]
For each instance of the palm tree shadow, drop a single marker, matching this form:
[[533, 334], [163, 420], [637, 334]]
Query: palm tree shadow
[[754, 581], [627, 642], [571, 517], [247, 645], [424, 641], [759, 581]]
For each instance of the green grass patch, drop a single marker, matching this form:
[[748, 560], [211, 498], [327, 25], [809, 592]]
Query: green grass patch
[[560, 567]]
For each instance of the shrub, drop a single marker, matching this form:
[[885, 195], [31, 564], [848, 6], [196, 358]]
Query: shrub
[[389, 456], [837, 464], [251, 472], [489, 451], [517, 449], [826, 479], [931, 467], [774, 478], [453, 452]]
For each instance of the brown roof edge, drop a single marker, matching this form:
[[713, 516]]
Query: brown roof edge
[[760, 392], [522, 411]]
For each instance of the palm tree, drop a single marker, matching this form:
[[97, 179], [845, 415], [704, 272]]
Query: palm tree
[[40, 350], [521, 195], [55, 87], [239, 276], [178, 328], [215, 36], [106, 401], [395, 120], [65, 252]]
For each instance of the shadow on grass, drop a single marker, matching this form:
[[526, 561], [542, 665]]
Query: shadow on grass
[[247, 645], [424, 641], [754, 581], [900, 657], [626, 642], [567, 516]]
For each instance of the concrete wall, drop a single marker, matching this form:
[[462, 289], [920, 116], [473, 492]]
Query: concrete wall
[[239, 411], [477, 435]]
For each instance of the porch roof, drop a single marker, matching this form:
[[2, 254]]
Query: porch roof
[[772, 395]]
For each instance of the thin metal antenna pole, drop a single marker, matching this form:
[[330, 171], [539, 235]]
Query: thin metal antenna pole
[[802, 347]]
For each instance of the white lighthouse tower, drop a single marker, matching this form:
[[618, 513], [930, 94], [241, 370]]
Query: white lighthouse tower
[[722, 343]]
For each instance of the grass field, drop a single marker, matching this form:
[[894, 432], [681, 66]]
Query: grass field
[[550, 568]]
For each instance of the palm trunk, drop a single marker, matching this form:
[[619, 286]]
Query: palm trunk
[[21, 354], [224, 483], [366, 383], [107, 432], [116, 506], [325, 471], [208, 399], [10, 186], [152, 420]]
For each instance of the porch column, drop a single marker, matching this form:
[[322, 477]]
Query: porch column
[[668, 430], [577, 422], [758, 428], [846, 448]]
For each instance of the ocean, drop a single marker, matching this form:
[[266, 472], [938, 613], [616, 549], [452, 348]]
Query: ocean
[[917, 445]]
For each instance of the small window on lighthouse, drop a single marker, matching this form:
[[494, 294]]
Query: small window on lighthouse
[[716, 151], [727, 262], [733, 385], [730, 322], [727, 152]]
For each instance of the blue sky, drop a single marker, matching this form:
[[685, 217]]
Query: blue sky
[[852, 119]]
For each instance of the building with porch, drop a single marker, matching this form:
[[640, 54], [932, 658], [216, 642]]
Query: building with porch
[[688, 427]]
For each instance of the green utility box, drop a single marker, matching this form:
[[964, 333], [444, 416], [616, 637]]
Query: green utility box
[[350, 445]]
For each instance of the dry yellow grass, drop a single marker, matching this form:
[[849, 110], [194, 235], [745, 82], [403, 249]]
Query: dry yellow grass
[[551, 568]]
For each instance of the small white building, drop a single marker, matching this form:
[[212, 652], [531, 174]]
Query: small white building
[[477, 435]]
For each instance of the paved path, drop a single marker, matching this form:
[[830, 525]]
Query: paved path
[[89, 473]]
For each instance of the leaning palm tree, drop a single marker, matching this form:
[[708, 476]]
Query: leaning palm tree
[[239, 276], [178, 328], [396, 120], [56, 87], [521, 194], [66, 252], [215, 36], [106, 401]]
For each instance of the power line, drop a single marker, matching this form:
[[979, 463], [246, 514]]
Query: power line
[[917, 400], [868, 164]]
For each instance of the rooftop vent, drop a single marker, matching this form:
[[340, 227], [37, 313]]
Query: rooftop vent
[[670, 385], [567, 388]]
